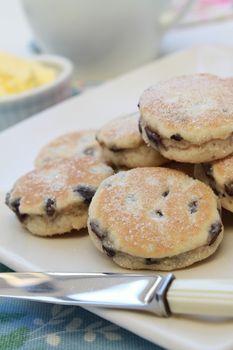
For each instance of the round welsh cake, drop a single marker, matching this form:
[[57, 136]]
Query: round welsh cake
[[75, 144], [189, 118], [154, 218], [54, 199], [123, 146]]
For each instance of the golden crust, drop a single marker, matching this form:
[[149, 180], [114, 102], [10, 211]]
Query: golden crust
[[76, 144], [123, 145], [58, 180], [198, 107], [121, 133], [147, 212]]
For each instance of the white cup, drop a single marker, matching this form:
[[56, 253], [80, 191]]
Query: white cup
[[103, 38]]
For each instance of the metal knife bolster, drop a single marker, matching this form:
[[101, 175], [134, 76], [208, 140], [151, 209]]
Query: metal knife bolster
[[125, 291]]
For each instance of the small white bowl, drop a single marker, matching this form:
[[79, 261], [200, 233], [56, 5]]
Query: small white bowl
[[14, 108]]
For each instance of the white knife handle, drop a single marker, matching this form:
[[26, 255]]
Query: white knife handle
[[202, 297]]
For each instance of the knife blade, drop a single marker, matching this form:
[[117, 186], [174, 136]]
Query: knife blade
[[161, 295]]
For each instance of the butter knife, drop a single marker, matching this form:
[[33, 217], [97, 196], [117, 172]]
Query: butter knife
[[161, 295]]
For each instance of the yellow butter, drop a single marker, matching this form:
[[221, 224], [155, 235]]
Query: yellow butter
[[18, 75]]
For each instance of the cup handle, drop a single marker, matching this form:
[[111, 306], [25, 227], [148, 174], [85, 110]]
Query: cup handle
[[171, 17]]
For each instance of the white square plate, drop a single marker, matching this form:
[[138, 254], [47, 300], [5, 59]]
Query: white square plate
[[22, 251]]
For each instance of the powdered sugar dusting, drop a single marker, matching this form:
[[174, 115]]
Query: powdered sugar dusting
[[76, 144], [58, 180], [189, 103], [142, 221], [121, 132]]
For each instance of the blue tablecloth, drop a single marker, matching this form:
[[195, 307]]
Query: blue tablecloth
[[28, 325]]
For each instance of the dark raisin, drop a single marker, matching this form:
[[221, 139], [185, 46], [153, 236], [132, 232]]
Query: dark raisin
[[7, 198], [15, 207], [22, 217], [165, 194], [115, 149], [158, 213], [176, 137], [95, 227], [138, 105], [208, 169], [215, 190], [89, 151], [85, 192], [154, 137], [140, 126], [151, 261], [50, 206], [109, 251], [229, 188], [193, 206], [214, 231]]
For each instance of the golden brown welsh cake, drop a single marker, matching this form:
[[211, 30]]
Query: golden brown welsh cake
[[75, 144], [123, 145], [54, 199], [154, 218], [189, 118]]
